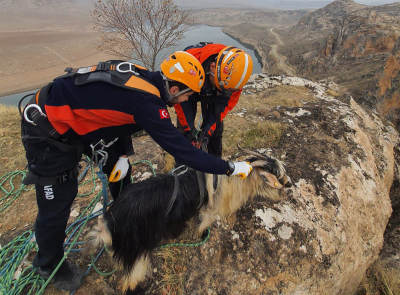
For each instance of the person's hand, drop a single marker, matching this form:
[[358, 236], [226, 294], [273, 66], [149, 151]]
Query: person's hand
[[120, 170], [197, 144], [191, 134], [242, 169], [203, 138]]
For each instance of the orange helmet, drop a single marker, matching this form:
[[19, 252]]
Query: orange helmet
[[233, 69], [185, 68]]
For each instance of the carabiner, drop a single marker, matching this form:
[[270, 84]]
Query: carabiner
[[39, 110], [131, 68]]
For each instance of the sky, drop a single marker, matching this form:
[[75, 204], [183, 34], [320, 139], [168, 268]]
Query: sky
[[289, 4]]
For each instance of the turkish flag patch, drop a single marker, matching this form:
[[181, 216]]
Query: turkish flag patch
[[164, 114]]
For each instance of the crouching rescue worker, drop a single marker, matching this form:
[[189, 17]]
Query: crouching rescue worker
[[95, 107], [227, 70]]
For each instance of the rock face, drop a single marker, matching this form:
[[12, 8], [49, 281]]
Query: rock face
[[387, 91], [328, 229], [344, 42], [354, 40], [326, 17]]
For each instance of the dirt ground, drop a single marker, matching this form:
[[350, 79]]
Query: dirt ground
[[35, 48]]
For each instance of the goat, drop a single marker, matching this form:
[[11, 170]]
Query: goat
[[135, 223]]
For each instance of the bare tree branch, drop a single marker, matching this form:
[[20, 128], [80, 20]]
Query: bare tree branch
[[140, 29]]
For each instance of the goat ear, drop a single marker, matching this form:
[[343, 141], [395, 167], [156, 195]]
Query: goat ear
[[271, 180]]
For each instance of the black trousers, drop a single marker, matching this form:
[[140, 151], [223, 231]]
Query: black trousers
[[54, 201]]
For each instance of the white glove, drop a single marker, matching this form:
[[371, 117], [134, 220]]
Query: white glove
[[242, 169], [120, 170]]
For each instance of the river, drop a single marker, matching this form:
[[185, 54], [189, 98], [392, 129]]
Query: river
[[202, 33]]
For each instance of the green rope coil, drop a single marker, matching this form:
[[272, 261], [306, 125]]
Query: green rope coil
[[12, 194], [14, 253], [11, 256], [187, 245]]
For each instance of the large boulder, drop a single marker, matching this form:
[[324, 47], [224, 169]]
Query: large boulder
[[328, 229]]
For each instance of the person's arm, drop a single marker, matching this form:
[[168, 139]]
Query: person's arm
[[226, 104], [151, 116]]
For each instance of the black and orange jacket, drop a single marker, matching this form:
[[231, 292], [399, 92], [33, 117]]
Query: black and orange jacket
[[100, 110], [186, 111]]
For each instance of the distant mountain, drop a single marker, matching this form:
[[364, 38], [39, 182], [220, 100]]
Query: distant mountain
[[327, 17], [297, 4], [344, 41], [252, 4], [260, 17]]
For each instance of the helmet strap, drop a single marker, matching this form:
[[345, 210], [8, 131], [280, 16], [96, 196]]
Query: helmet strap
[[166, 85], [181, 92], [169, 95]]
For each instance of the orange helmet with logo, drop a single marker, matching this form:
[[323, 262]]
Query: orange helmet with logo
[[185, 68], [233, 69]]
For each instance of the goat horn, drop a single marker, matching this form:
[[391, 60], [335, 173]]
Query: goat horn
[[258, 163], [249, 152], [278, 167]]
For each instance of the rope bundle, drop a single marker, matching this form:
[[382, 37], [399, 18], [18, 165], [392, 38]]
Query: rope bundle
[[13, 255]]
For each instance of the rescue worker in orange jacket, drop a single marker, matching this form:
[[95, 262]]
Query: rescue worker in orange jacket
[[227, 70], [104, 103]]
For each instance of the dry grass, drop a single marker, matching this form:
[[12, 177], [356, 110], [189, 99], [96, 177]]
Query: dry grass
[[252, 130], [169, 162], [172, 276], [12, 151], [253, 135], [333, 93], [380, 279], [172, 271]]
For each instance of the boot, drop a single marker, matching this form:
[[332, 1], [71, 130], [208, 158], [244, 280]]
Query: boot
[[69, 277]]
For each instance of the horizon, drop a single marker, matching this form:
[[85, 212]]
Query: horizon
[[272, 4]]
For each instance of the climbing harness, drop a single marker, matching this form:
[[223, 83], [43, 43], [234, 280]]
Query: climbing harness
[[116, 72], [200, 179], [34, 112], [175, 173]]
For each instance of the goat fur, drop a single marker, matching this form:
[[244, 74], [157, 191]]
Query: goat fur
[[135, 223]]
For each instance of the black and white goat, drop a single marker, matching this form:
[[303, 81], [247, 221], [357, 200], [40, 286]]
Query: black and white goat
[[135, 223]]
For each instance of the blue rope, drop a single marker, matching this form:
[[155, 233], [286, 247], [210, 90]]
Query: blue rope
[[104, 182]]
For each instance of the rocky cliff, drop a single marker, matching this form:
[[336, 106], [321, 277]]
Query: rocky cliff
[[343, 42], [354, 42], [329, 228], [387, 92]]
